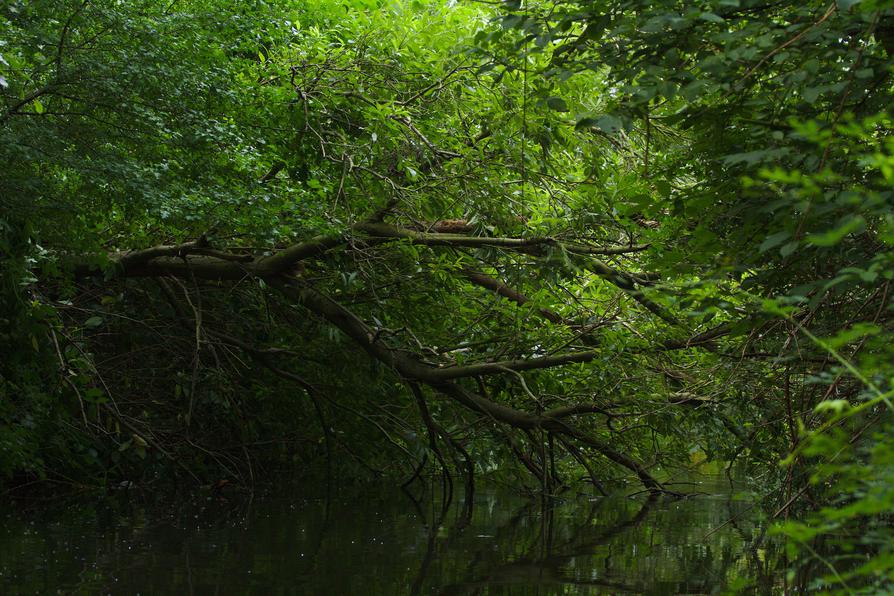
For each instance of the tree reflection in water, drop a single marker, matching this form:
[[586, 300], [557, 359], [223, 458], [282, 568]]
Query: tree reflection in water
[[378, 541]]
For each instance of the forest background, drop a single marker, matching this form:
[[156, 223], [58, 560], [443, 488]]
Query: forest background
[[549, 243]]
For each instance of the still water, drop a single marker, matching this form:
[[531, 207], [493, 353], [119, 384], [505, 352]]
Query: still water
[[376, 540]]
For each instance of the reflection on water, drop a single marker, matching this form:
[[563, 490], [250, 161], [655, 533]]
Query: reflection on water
[[379, 541]]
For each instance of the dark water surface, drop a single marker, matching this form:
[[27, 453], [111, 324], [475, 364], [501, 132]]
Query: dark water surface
[[376, 540]]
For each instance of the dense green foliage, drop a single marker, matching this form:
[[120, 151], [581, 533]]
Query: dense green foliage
[[781, 178], [538, 241]]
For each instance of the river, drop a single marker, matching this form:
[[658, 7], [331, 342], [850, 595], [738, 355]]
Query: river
[[376, 540]]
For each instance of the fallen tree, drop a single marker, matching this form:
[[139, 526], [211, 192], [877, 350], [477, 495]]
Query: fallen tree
[[198, 260]]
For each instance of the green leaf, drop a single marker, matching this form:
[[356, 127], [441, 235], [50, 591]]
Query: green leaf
[[773, 240], [711, 17], [811, 94], [38, 106], [833, 237], [858, 331], [585, 123], [610, 124], [94, 322], [865, 73], [557, 103], [789, 248], [94, 395], [835, 406]]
